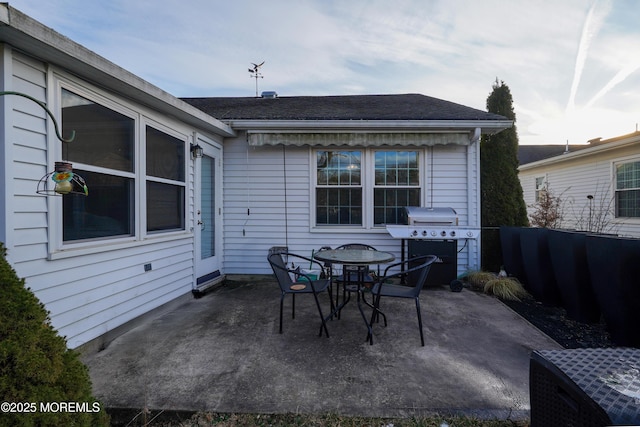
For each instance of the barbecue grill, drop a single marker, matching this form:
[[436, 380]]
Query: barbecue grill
[[433, 231]]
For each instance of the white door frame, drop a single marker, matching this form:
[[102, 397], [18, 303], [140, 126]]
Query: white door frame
[[208, 270]]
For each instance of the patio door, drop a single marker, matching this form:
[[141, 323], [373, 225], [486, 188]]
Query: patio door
[[208, 215]]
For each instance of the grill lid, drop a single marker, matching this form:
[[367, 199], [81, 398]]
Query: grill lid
[[431, 216]]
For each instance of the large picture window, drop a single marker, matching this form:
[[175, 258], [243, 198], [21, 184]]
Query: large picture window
[[350, 184], [103, 153], [106, 151], [628, 190]]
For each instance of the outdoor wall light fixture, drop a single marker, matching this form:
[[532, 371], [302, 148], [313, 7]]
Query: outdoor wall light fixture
[[62, 180], [196, 151]]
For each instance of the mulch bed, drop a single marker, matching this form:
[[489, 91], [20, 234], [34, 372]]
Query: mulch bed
[[554, 322]]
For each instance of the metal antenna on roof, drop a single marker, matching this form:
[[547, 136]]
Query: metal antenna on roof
[[256, 74]]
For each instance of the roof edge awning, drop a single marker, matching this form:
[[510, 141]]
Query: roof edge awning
[[357, 139]]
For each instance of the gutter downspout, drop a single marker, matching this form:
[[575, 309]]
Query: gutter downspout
[[473, 195]]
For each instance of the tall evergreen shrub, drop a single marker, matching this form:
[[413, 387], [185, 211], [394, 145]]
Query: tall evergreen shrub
[[39, 375], [501, 192]]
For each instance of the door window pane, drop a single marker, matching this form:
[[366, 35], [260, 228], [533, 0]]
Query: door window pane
[[208, 202]]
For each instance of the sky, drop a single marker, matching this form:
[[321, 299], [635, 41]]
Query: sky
[[572, 66]]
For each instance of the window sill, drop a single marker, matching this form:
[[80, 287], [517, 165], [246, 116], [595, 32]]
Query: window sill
[[88, 248], [348, 230]]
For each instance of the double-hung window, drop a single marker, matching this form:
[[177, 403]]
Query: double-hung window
[[127, 197], [396, 185], [365, 188], [627, 177], [339, 187], [541, 186], [165, 181], [103, 152]]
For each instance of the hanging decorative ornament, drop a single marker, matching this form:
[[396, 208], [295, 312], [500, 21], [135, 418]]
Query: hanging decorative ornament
[[65, 181]]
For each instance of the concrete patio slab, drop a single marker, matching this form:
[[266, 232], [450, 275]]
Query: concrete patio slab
[[223, 353]]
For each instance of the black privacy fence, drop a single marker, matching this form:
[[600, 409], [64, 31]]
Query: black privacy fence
[[589, 275]]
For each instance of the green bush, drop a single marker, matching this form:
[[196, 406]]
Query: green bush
[[39, 375]]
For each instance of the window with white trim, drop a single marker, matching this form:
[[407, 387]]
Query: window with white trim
[[105, 151], [396, 185], [365, 187], [102, 153], [627, 177], [541, 185], [338, 187], [165, 181]]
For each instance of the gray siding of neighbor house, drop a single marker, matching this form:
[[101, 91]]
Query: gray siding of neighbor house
[[94, 289], [254, 200], [573, 179]]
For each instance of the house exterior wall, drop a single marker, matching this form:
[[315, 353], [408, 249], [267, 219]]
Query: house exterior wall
[[573, 177], [94, 288], [260, 181]]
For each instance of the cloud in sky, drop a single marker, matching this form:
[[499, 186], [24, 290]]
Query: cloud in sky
[[572, 65]]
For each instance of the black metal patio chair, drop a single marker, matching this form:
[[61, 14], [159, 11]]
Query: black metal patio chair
[[414, 272], [303, 283], [354, 274]]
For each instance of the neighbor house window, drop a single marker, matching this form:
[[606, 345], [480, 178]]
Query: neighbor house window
[[338, 187], [541, 186], [628, 189], [103, 153], [396, 185], [365, 188], [165, 181]]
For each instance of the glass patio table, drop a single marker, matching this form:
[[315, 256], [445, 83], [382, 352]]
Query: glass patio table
[[360, 259]]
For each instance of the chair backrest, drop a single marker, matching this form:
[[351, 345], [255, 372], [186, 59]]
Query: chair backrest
[[421, 271], [280, 270], [414, 271], [357, 246], [348, 268]]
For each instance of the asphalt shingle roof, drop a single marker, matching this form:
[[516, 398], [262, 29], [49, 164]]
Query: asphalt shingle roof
[[348, 107], [533, 153]]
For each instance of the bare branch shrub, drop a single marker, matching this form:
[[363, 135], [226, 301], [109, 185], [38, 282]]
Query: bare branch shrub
[[548, 210]]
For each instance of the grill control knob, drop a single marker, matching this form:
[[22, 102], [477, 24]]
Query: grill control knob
[[453, 233], [424, 232], [434, 234], [469, 233], [443, 233], [414, 233]]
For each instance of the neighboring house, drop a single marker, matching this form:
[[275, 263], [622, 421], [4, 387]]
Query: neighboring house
[[160, 222], [598, 185]]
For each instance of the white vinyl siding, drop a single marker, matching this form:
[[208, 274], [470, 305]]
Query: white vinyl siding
[[255, 183], [574, 178], [92, 289]]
